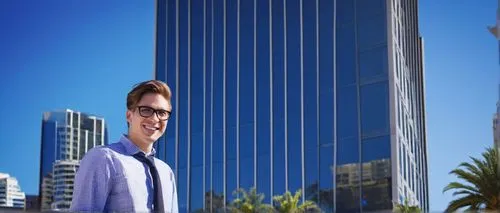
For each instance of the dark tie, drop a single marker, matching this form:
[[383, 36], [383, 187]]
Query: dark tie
[[158, 198]]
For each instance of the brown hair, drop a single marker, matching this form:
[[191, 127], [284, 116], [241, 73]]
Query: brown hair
[[151, 86]]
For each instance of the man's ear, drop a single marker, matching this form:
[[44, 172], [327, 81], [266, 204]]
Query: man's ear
[[128, 115]]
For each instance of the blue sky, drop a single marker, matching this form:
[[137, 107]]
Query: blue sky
[[86, 56], [81, 55]]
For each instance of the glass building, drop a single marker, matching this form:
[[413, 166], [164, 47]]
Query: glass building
[[325, 96], [66, 136]]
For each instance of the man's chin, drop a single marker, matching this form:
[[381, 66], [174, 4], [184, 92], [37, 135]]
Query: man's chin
[[151, 139]]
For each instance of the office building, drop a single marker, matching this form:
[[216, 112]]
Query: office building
[[66, 136], [325, 96], [10, 192]]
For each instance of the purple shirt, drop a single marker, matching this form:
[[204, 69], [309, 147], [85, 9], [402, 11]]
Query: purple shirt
[[110, 179]]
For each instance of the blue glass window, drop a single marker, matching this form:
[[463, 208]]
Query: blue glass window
[[366, 9], [264, 176], [208, 106], [310, 76], [373, 64], [326, 157], [183, 85], [347, 112], [345, 11], [196, 189], [293, 105], [346, 55], [182, 190], [196, 88], [376, 148], [371, 32], [263, 100], [246, 96], [196, 149], [375, 109], [218, 110], [263, 78], [326, 86], [230, 180], [278, 98], [377, 187], [312, 172], [246, 157], [231, 97]]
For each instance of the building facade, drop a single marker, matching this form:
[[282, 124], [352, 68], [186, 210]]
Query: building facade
[[325, 96], [10, 192], [66, 137], [32, 203]]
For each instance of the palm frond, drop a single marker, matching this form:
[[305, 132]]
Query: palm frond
[[466, 201], [457, 185], [480, 189]]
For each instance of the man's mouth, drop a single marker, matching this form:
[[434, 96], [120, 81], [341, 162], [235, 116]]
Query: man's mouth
[[151, 127]]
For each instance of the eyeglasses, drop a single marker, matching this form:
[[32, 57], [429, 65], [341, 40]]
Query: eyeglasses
[[147, 112]]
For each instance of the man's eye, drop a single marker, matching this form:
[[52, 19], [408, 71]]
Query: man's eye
[[146, 110]]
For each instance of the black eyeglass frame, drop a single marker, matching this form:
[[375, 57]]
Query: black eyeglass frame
[[155, 111]]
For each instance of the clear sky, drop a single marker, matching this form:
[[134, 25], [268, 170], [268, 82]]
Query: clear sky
[[86, 55], [81, 55]]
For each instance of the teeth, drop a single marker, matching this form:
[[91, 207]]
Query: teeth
[[150, 128]]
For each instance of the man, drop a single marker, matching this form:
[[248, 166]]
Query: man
[[125, 176]]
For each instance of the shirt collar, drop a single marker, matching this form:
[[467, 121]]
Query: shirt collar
[[131, 148]]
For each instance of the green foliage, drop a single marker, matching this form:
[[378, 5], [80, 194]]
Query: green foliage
[[406, 208], [252, 202], [249, 202], [479, 188], [287, 203]]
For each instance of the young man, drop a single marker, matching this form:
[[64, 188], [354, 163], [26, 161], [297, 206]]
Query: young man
[[125, 176]]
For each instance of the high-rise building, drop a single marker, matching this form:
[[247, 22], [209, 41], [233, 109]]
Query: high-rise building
[[325, 96], [10, 192], [66, 137]]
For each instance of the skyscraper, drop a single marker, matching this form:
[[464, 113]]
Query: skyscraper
[[325, 96], [66, 137], [10, 192]]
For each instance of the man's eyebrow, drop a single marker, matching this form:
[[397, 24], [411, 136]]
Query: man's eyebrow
[[157, 109], [166, 110]]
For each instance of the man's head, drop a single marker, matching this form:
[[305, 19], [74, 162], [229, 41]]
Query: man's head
[[148, 110]]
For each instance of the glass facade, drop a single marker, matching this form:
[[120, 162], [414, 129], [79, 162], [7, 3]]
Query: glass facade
[[294, 94]]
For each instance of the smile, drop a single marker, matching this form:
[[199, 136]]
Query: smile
[[150, 127]]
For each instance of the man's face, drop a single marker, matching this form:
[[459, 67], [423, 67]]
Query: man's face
[[144, 120]]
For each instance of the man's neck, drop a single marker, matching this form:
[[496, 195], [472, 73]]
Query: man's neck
[[143, 146]]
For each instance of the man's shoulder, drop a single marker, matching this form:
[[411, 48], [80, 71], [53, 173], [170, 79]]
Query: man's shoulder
[[103, 152]]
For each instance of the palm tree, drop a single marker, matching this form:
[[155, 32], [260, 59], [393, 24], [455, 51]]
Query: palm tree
[[406, 208], [249, 202], [287, 203], [481, 190]]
